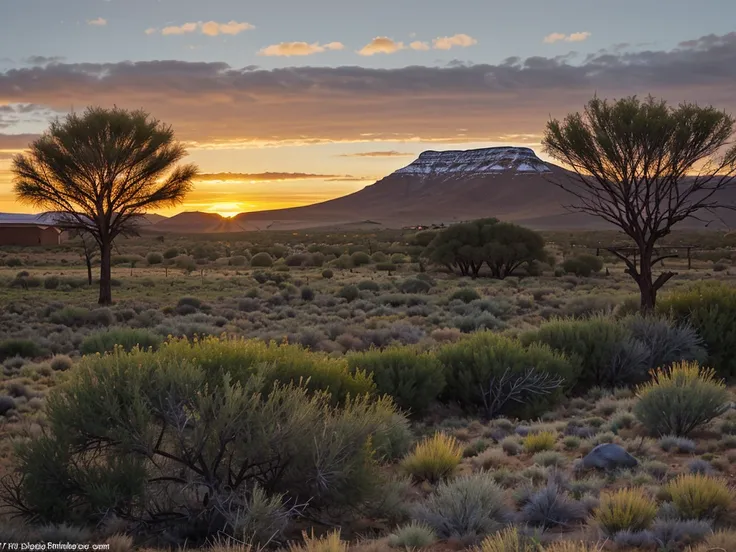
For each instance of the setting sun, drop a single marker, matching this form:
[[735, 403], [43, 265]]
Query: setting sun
[[227, 210]]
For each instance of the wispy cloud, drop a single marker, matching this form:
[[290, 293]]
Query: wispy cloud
[[265, 177], [419, 45], [390, 153], [562, 37], [209, 28], [99, 22], [458, 40], [299, 48]]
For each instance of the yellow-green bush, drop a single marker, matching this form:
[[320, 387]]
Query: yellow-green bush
[[542, 440], [626, 509], [698, 496], [271, 362], [331, 542], [570, 546], [434, 458], [413, 378], [681, 399], [508, 540], [710, 308], [722, 541]]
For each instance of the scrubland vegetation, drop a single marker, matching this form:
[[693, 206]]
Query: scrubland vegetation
[[319, 400]]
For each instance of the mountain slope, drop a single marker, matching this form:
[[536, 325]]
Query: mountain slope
[[442, 187]]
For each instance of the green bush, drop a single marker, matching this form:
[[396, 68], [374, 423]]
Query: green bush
[[349, 292], [307, 294], [711, 310], [51, 282], [473, 366], [625, 510], [386, 267], [582, 265], [466, 295], [679, 400], [598, 346], [129, 430], [369, 285], [327, 274], [699, 496], [270, 362], [434, 458], [70, 316], [171, 253], [13, 262], [24, 348], [154, 258], [414, 379], [261, 260], [360, 258], [414, 285], [126, 338]]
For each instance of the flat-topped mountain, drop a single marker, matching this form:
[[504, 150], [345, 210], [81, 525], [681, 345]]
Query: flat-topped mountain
[[510, 183]]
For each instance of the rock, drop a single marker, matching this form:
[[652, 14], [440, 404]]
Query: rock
[[608, 456]]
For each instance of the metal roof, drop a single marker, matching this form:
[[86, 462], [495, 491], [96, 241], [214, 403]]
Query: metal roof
[[46, 219]]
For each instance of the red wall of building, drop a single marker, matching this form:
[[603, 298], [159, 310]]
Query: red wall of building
[[28, 235]]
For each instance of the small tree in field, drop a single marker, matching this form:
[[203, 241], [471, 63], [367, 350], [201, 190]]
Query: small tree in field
[[645, 167], [100, 171]]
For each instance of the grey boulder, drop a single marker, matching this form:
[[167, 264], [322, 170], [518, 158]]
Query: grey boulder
[[608, 456]]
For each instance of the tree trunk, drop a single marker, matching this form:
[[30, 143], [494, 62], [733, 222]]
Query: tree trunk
[[88, 260], [648, 293], [105, 275]]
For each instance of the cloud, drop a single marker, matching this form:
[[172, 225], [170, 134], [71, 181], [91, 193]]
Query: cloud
[[448, 42], [209, 28], [43, 60], [419, 45], [99, 22], [299, 48], [561, 37], [212, 105], [381, 45], [264, 177], [391, 153]]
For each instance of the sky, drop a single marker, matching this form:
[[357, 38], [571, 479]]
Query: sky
[[291, 102]]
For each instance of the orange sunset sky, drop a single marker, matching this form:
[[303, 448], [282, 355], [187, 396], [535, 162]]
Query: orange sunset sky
[[286, 103]]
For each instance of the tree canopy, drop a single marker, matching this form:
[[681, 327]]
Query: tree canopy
[[645, 167], [502, 246], [100, 171]]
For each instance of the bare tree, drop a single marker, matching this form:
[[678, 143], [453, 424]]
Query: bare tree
[[645, 167], [100, 171]]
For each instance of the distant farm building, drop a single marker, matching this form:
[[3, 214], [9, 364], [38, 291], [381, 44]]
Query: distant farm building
[[30, 230]]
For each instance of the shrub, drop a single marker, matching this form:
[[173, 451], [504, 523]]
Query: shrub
[[667, 342], [369, 285], [13, 262], [679, 400], [331, 542], [387, 267], [6, 404], [327, 274], [414, 285], [480, 369], [360, 258], [156, 412], [261, 260], [412, 536], [537, 442], [722, 541], [126, 338], [582, 265], [466, 295], [25, 348], [508, 540], [154, 258], [467, 508], [670, 443], [307, 294], [698, 496], [551, 507], [606, 354], [171, 253], [625, 509], [350, 293], [711, 310], [60, 363], [412, 378], [434, 458], [51, 282]]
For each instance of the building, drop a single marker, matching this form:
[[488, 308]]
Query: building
[[30, 230]]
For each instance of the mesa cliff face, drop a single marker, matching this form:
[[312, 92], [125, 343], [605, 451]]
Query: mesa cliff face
[[486, 161]]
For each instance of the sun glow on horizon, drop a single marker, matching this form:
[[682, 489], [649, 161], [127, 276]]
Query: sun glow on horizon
[[227, 210]]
